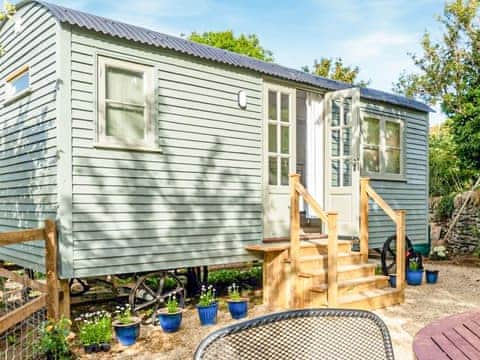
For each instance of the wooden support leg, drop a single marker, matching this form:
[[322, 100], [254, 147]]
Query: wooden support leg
[[53, 307], [65, 298]]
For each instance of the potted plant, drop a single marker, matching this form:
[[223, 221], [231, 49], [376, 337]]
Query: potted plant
[[127, 327], [171, 318], [432, 276], [414, 273], [207, 306], [237, 305], [95, 331]]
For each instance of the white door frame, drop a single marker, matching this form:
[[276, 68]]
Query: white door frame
[[276, 221], [350, 229]]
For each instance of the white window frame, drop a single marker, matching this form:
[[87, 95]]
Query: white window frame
[[149, 141], [382, 174], [9, 98]]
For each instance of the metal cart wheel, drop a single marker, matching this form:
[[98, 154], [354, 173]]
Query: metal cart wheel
[[152, 291], [389, 253]]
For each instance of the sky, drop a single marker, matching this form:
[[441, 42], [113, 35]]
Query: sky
[[375, 35]]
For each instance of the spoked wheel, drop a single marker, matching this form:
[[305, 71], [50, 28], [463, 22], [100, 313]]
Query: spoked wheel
[[153, 290], [389, 254], [78, 287]]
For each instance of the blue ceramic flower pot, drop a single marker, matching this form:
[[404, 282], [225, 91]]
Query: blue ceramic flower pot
[[170, 322], [127, 334], [238, 309], [393, 281], [414, 277], [208, 314], [432, 276]]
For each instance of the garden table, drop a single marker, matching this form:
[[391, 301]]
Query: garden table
[[454, 337]]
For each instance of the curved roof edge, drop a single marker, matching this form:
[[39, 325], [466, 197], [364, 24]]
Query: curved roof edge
[[149, 37]]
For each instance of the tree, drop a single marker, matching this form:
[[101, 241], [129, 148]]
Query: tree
[[448, 74], [336, 70], [243, 44], [6, 13]]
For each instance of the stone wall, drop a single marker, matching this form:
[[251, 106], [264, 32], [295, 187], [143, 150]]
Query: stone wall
[[465, 235]]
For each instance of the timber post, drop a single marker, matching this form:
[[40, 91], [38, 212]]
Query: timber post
[[364, 183], [51, 254]]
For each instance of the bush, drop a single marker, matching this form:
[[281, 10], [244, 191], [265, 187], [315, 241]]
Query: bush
[[445, 207], [54, 339], [246, 279]]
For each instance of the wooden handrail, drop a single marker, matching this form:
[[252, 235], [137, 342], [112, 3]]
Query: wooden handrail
[[297, 190], [397, 216]]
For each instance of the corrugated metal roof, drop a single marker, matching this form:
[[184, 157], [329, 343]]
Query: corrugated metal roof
[[153, 38]]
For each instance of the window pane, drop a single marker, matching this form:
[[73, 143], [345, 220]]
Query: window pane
[[285, 170], [125, 86], [392, 134], [19, 84], [285, 138], [371, 159], [272, 105], [372, 131], [125, 123], [347, 172], [335, 142], [347, 141], [272, 170], [392, 161], [285, 108], [335, 113], [335, 173], [272, 138], [347, 113]]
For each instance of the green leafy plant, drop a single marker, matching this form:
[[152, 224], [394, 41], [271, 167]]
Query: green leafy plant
[[207, 296], [95, 328], [172, 304], [414, 265], [234, 292], [124, 315], [439, 253], [445, 207], [248, 279], [54, 339]]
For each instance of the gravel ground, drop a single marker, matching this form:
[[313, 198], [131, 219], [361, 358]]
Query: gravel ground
[[458, 290]]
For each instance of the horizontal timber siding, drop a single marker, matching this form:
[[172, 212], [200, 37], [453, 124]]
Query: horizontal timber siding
[[412, 194], [28, 133], [197, 202]]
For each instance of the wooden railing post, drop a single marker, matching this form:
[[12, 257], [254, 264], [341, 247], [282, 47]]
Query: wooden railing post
[[53, 306], [332, 294], [294, 238], [364, 183], [400, 260]]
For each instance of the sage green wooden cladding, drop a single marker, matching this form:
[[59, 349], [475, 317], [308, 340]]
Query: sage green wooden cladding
[[199, 200], [28, 132], [411, 194]]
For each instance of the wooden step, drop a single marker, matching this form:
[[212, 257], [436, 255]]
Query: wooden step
[[344, 272], [320, 247], [372, 299], [353, 286], [311, 262]]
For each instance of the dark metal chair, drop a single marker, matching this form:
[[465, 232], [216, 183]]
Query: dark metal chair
[[330, 334]]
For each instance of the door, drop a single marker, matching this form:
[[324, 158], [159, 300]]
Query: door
[[279, 157], [342, 139]]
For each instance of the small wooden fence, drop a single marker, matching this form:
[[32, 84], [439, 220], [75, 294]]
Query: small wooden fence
[[51, 297]]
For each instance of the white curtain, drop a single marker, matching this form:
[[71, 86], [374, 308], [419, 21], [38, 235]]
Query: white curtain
[[315, 150]]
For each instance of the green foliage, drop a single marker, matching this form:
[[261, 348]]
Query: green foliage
[[207, 296], [448, 75], [413, 265], [446, 172], [124, 314], [221, 279], [53, 339], [172, 304], [95, 328], [234, 292], [445, 207], [6, 13], [335, 69], [248, 45]]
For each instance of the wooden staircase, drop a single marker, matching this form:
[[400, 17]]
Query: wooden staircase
[[312, 271]]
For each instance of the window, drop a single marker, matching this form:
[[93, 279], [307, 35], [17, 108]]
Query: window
[[382, 147], [18, 83], [126, 101], [341, 153], [279, 142]]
